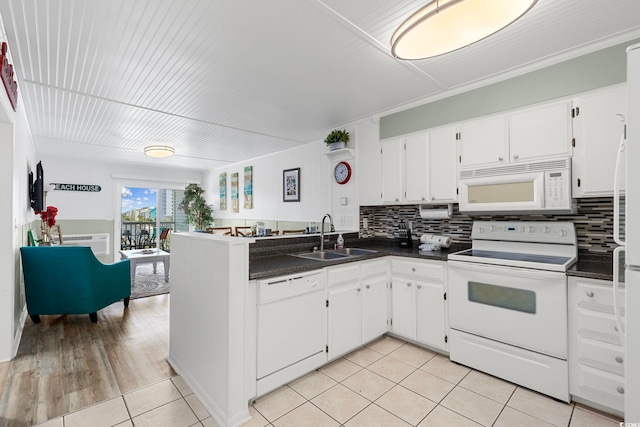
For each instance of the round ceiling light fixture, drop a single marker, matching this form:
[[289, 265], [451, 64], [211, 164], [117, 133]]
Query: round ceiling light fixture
[[443, 26], [159, 151]]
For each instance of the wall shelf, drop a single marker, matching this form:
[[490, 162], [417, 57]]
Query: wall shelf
[[340, 154]]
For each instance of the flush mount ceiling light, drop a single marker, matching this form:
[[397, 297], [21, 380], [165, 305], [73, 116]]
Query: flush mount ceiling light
[[159, 151], [443, 26]]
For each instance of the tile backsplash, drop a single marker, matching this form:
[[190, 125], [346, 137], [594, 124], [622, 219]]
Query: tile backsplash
[[593, 221]]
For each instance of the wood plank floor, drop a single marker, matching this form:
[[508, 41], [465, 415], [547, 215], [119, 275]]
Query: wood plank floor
[[66, 362]]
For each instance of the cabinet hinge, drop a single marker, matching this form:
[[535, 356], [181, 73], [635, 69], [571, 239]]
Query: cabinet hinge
[[578, 182], [445, 296], [575, 112], [391, 320], [457, 191], [573, 142], [446, 339], [391, 285], [326, 348], [327, 303]]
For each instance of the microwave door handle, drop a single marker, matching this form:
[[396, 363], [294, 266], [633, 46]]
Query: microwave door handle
[[616, 192]]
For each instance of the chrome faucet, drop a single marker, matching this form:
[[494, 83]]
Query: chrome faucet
[[322, 230]]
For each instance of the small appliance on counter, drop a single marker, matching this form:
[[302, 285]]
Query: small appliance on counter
[[404, 235]]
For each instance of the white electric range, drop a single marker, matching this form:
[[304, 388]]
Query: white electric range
[[508, 302]]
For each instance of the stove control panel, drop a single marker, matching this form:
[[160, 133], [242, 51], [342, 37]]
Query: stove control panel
[[525, 231]]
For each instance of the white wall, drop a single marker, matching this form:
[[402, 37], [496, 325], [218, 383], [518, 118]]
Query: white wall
[[17, 160], [319, 192]]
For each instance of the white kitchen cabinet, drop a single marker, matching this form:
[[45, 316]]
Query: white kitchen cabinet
[[344, 319], [418, 301], [443, 173], [541, 131], [484, 141], [597, 129], [374, 306], [596, 356], [532, 133], [420, 168], [357, 305], [368, 163], [416, 168], [430, 313], [392, 170]]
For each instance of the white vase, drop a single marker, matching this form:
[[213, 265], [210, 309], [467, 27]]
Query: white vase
[[336, 145]]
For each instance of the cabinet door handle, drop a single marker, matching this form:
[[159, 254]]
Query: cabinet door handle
[[368, 286], [424, 198], [419, 286], [433, 197], [615, 328], [408, 284], [501, 158], [515, 156], [396, 199], [590, 294], [358, 289], [413, 269], [620, 390], [619, 359]]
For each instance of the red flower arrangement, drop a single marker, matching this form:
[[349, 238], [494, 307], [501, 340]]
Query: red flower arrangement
[[48, 216]]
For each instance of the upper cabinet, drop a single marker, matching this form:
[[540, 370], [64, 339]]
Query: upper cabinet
[[484, 141], [420, 168], [532, 133], [597, 128]]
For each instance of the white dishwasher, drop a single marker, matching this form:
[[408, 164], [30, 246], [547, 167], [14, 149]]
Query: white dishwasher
[[292, 328]]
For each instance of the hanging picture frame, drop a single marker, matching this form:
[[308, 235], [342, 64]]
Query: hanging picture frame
[[248, 187], [234, 193], [291, 185], [223, 191]]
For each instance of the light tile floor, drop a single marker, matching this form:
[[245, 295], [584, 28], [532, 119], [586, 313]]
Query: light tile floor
[[387, 383]]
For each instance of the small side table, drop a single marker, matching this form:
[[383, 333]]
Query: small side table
[[139, 256]]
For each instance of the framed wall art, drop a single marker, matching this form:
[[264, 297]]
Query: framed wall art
[[223, 191], [234, 193], [291, 185], [248, 187]]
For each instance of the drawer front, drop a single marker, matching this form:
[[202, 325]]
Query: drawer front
[[598, 295], [600, 387], [607, 357], [419, 269], [376, 268], [598, 326], [343, 274]]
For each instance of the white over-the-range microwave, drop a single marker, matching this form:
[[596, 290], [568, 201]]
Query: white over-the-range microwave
[[527, 187]]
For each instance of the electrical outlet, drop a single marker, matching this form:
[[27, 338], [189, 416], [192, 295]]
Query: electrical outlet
[[343, 201]]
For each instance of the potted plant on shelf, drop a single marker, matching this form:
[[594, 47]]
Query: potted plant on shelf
[[195, 207], [337, 139]]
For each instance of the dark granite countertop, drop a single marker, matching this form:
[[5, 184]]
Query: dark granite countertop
[[281, 263], [273, 258], [593, 266]]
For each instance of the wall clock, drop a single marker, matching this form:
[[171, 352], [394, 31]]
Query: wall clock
[[342, 172]]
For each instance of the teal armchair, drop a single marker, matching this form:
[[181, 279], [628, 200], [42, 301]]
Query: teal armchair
[[71, 280]]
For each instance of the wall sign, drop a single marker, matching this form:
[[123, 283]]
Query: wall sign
[[76, 187], [6, 73]]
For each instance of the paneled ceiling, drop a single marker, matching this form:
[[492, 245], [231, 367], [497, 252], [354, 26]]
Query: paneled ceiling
[[227, 80]]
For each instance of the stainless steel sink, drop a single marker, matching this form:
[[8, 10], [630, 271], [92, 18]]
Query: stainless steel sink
[[334, 254], [354, 251]]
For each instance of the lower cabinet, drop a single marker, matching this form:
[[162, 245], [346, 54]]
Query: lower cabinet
[[418, 300], [357, 305], [596, 355]]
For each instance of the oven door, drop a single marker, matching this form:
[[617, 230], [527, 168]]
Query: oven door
[[522, 307]]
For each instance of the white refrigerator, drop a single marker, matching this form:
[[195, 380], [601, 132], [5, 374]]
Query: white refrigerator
[[630, 330]]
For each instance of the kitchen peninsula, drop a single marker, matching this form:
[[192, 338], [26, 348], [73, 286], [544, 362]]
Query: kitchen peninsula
[[220, 284]]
